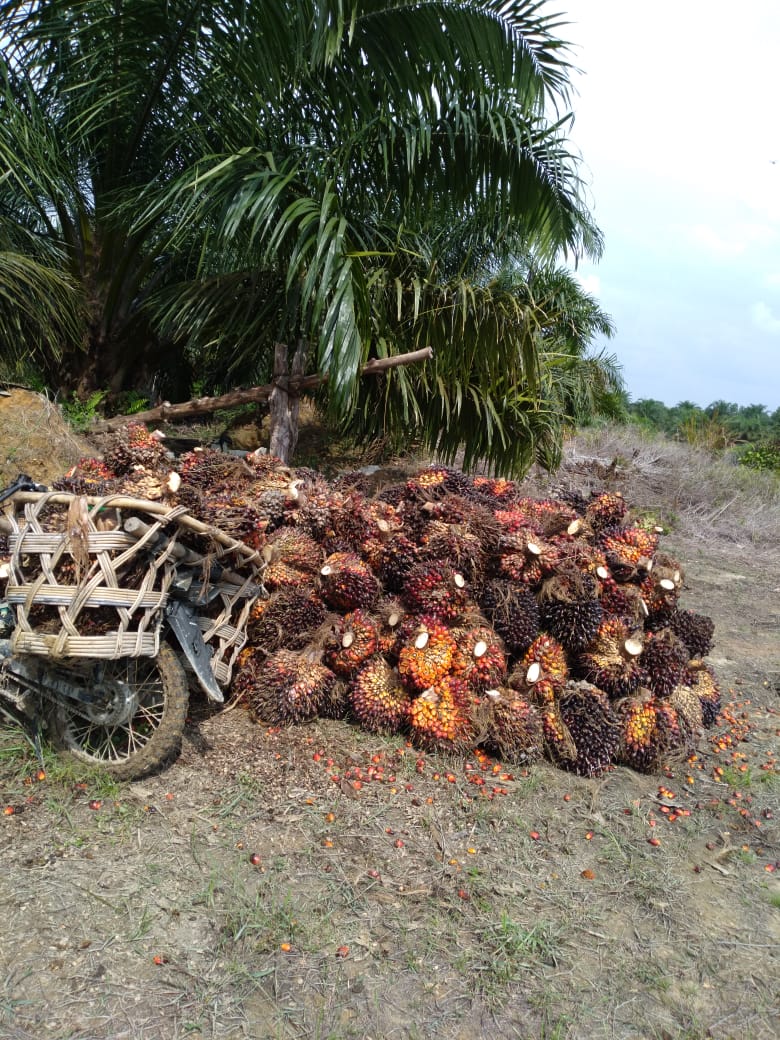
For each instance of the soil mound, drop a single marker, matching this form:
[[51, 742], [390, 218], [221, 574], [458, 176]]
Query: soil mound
[[34, 438]]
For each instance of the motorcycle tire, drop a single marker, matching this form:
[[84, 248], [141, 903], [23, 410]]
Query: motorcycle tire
[[149, 738]]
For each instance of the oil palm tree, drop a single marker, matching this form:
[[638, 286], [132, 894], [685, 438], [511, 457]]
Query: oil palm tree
[[210, 178]]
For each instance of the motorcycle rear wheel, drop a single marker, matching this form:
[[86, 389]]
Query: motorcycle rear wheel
[[144, 741]]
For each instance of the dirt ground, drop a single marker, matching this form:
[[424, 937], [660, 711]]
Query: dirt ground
[[319, 882]]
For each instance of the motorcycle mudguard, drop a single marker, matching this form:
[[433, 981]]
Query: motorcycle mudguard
[[183, 622]]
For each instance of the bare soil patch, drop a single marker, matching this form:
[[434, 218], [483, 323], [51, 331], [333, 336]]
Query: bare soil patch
[[320, 882]]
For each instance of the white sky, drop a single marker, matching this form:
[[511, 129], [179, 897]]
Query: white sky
[[678, 123]]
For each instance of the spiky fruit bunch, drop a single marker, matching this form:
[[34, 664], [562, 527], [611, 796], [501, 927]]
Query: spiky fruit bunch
[[558, 743], [663, 661], [436, 590], [545, 661], [133, 445], [570, 610], [350, 522], [289, 618], [629, 550], [290, 549], [287, 688], [378, 698], [605, 510], [427, 657], [513, 612], [271, 506], [660, 595], [512, 726], [312, 510], [612, 660], [395, 560], [459, 546], [554, 519], [390, 616], [701, 678], [88, 477], [676, 736], [479, 659], [593, 725], [624, 602], [494, 490], [347, 582], [642, 734], [695, 630], [355, 639], [686, 703], [441, 717], [435, 481]]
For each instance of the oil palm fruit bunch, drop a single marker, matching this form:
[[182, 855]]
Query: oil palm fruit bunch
[[593, 726], [660, 595], [701, 678], [686, 703], [479, 658], [512, 726], [289, 687], [427, 657], [346, 582], [558, 743], [395, 560], [355, 638], [289, 618], [544, 668], [605, 509], [435, 481], [643, 741], [494, 491], [695, 630], [629, 551], [460, 547], [292, 558], [569, 608], [389, 618], [611, 662], [133, 445], [441, 717], [378, 698], [624, 602], [435, 589], [513, 612], [88, 477], [663, 660]]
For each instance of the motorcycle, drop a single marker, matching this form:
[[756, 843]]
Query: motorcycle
[[107, 605]]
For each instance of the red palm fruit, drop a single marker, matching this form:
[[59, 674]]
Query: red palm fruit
[[435, 589], [612, 660], [379, 700], [545, 659], [558, 744], [88, 477], [292, 558], [701, 678], [605, 510], [435, 481], [347, 583], [390, 616], [287, 687], [663, 660], [133, 445], [624, 602], [629, 551], [289, 618], [441, 718], [494, 489], [355, 639], [593, 726], [513, 727], [660, 595], [479, 658], [427, 658], [642, 740]]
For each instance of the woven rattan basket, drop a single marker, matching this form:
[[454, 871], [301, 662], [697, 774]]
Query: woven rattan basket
[[84, 586]]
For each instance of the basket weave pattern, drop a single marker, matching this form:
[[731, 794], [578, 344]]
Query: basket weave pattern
[[94, 590]]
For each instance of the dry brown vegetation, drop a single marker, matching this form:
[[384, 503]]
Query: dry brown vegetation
[[320, 882]]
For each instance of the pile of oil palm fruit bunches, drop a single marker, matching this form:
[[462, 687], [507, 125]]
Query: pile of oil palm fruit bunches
[[447, 607]]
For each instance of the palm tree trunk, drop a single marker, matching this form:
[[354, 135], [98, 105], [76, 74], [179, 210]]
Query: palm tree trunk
[[285, 406]]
